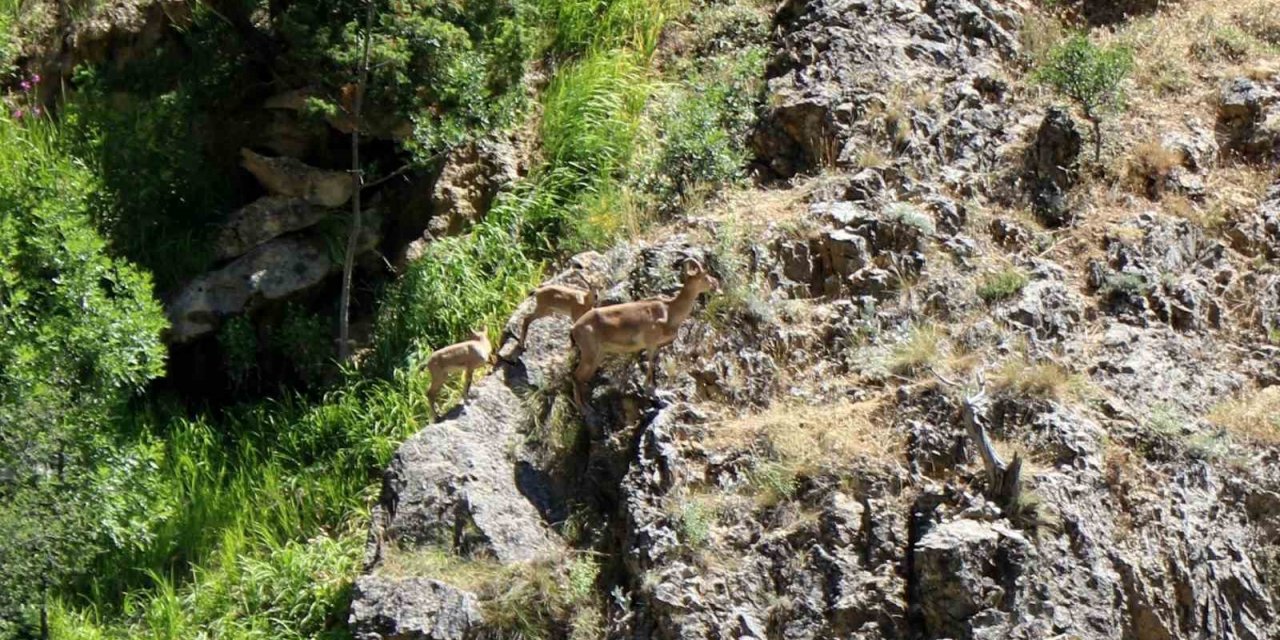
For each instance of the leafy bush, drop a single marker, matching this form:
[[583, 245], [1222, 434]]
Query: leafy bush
[[79, 335], [453, 69], [1090, 75], [704, 125], [694, 520]]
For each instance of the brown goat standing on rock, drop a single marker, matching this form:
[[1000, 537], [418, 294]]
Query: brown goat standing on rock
[[465, 356], [558, 299], [644, 325]]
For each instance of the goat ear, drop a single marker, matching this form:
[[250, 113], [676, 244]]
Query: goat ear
[[692, 267]]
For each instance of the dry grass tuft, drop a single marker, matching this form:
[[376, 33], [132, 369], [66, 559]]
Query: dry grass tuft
[[472, 574], [1150, 165], [1044, 380], [806, 440], [551, 597], [1254, 417], [923, 347]]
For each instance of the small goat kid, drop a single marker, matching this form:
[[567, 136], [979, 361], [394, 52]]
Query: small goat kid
[[558, 299], [465, 356], [644, 325]]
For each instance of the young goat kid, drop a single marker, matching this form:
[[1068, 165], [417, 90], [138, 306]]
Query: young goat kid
[[558, 299], [465, 356], [644, 325]]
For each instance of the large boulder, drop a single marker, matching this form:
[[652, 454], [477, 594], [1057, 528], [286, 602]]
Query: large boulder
[[411, 609], [471, 178], [262, 220], [273, 271], [966, 568], [1055, 165], [292, 178], [453, 484]]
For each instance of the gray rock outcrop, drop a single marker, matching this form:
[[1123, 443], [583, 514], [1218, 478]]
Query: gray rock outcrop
[[412, 609], [273, 271], [288, 177], [262, 220], [836, 60]]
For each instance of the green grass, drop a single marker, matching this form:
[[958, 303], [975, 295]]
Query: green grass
[[266, 518], [1002, 285]]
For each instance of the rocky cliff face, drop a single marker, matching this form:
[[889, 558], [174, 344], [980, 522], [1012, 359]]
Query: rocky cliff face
[[804, 466]]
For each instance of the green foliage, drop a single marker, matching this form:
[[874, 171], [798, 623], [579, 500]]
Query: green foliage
[[706, 118], [263, 517], [452, 68], [73, 317], [239, 343], [575, 26], [79, 335], [1126, 284], [460, 283], [1001, 285], [305, 340], [694, 522], [774, 482], [146, 130], [1090, 75]]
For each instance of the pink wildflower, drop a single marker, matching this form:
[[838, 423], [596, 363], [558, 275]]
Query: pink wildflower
[[35, 79], [26, 86], [17, 115]]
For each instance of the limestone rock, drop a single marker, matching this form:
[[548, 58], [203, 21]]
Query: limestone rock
[[453, 484], [411, 609], [969, 574], [263, 220], [1054, 163], [835, 56], [471, 178], [291, 178], [272, 271]]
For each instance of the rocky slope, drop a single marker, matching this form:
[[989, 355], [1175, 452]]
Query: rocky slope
[[803, 467]]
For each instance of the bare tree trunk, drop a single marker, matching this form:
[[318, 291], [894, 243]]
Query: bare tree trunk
[[1096, 121], [1004, 480], [357, 179]]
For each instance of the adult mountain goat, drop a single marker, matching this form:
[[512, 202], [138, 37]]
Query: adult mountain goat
[[644, 325]]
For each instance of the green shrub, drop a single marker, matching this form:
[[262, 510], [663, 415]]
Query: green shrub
[[79, 336], [1002, 285], [774, 482], [1090, 75], [694, 523], [911, 216], [1128, 284], [460, 283], [454, 69], [704, 126], [305, 341]]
